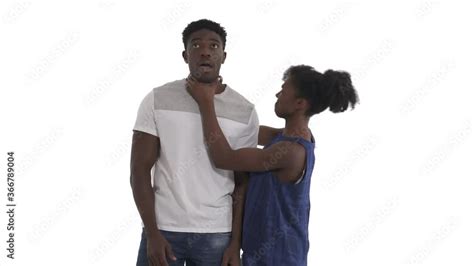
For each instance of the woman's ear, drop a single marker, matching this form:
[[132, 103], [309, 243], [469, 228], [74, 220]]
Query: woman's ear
[[302, 104]]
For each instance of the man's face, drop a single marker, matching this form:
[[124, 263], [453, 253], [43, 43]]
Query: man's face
[[204, 55]]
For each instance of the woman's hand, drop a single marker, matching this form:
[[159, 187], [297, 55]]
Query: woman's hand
[[202, 92]]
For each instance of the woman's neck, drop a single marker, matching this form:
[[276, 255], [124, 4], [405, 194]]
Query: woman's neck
[[297, 127]]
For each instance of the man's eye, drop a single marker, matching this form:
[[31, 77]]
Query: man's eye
[[215, 45], [195, 45]]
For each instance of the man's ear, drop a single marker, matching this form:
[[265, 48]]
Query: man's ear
[[224, 57], [185, 56]]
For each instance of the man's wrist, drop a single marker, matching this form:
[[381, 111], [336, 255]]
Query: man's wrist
[[152, 232], [236, 241]]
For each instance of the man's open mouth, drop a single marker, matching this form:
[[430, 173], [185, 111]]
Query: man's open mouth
[[206, 66]]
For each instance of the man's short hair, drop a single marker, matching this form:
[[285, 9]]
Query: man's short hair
[[204, 24]]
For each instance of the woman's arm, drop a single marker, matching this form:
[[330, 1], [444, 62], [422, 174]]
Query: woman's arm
[[266, 134], [278, 156]]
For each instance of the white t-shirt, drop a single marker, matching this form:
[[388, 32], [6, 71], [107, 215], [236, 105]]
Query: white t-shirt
[[191, 194]]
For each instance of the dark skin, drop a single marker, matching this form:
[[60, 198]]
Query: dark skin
[[285, 159], [266, 134], [204, 55], [145, 152]]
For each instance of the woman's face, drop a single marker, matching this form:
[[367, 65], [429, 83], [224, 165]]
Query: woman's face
[[286, 99]]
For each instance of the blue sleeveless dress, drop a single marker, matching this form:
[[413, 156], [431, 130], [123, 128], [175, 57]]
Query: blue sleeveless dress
[[276, 215]]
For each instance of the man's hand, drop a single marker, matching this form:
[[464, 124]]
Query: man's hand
[[232, 255], [158, 249], [202, 92]]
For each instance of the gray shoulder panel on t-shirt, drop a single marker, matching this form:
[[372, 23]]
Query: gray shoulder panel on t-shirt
[[229, 104]]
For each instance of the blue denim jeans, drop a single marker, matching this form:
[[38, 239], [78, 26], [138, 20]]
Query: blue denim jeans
[[195, 249]]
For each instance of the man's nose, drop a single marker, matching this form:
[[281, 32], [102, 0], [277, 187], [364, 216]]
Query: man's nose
[[278, 94], [205, 52]]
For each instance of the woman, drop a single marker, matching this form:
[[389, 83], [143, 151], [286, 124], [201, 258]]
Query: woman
[[275, 227]]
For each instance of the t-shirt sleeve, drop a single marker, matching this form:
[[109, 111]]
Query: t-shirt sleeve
[[146, 117], [250, 139]]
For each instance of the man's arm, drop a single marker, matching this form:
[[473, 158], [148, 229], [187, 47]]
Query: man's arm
[[145, 152], [232, 253], [238, 203]]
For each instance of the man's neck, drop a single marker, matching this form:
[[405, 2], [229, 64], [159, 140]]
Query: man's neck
[[221, 88]]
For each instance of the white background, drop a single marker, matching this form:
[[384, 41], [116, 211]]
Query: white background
[[393, 178]]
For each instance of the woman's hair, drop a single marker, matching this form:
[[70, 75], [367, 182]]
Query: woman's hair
[[331, 89]]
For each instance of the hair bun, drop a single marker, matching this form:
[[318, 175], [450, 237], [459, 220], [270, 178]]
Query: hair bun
[[334, 76], [331, 89], [337, 79], [330, 78], [329, 73], [340, 89]]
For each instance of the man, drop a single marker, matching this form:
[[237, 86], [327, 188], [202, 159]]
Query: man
[[192, 212]]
